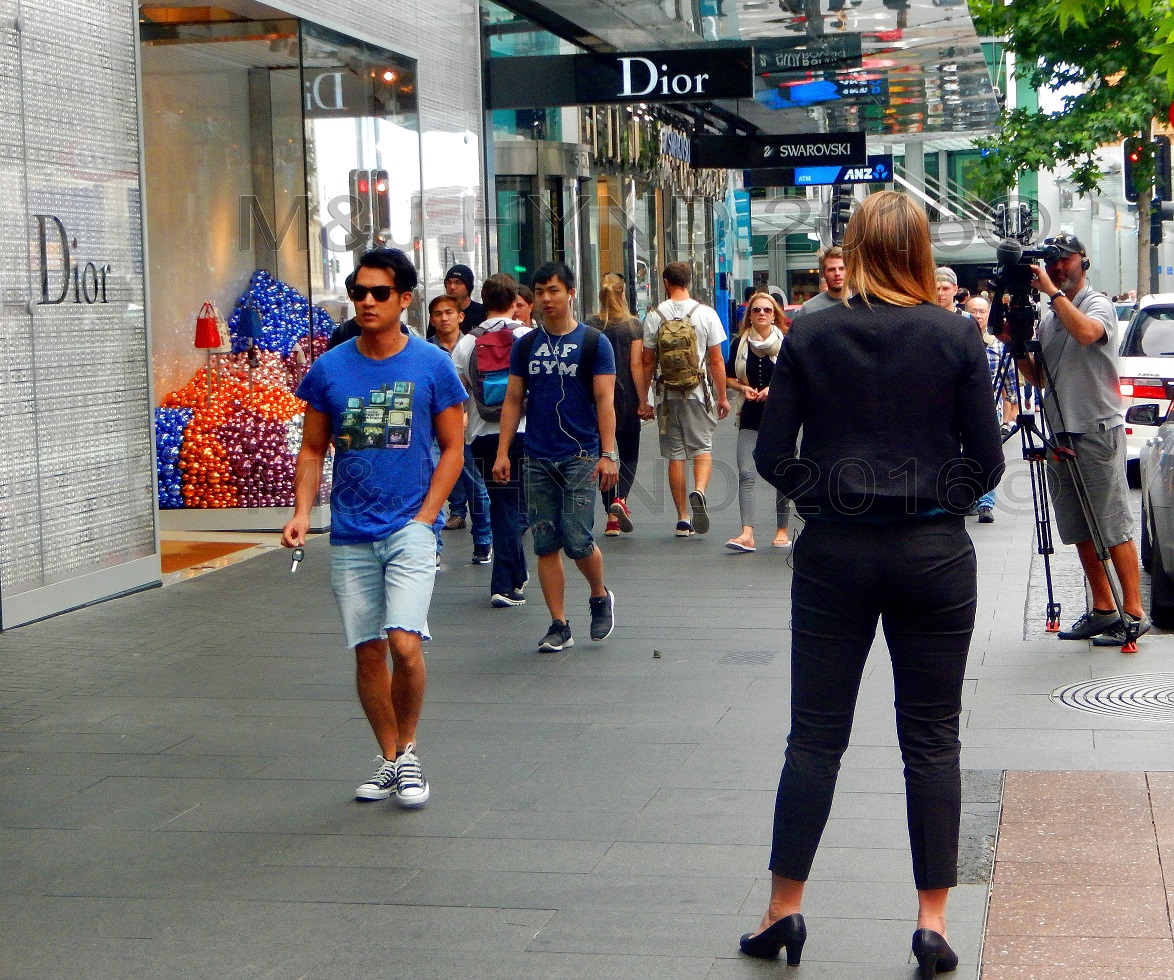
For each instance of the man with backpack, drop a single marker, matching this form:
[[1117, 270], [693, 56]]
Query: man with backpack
[[567, 371], [683, 358], [482, 359]]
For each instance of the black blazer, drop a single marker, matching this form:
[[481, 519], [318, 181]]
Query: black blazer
[[896, 408]]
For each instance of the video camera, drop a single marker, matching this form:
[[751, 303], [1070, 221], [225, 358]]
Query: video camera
[[1012, 279]]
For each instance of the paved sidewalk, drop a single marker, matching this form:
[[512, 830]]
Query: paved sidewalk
[[177, 771]]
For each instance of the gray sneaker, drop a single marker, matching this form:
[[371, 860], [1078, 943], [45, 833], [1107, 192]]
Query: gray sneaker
[[1114, 636], [700, 520], [603, 619], [1089, 625], [557, 638]]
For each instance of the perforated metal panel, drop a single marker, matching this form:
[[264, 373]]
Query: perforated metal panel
[[76, 469]]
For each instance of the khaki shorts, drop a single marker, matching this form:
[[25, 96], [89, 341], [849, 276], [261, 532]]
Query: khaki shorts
[[686, 428], [1100, 457]]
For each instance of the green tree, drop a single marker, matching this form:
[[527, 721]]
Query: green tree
[[1113, 51]]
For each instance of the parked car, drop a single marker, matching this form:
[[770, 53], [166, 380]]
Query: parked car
[[1156, 543], [1146, 367]]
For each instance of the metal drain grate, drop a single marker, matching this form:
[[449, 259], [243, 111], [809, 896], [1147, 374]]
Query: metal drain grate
[[756, 658], [1146, 697]]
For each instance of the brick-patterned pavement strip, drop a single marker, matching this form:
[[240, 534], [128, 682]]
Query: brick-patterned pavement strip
[[177, 771]]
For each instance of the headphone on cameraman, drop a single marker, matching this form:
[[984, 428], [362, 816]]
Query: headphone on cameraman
[[1066, 241]]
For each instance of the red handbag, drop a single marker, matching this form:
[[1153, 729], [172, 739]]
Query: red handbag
[[207, 329]]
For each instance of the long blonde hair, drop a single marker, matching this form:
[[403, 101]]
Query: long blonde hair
[[888, 251], [613, 300], [780, 320]]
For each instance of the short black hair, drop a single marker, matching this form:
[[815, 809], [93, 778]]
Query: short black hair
[[554, 270], [403, 272], [748, 292]]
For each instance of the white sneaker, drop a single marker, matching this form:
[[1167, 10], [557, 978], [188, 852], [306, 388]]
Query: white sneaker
[[411, 788], [382, 784]]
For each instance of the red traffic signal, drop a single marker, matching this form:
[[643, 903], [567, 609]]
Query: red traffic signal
[[1133, 150]]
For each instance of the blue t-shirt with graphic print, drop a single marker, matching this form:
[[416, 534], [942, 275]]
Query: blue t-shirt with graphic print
[[381, 416], [560, 416]]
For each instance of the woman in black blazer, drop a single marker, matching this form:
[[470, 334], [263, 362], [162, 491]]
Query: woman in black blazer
[[884, 477]]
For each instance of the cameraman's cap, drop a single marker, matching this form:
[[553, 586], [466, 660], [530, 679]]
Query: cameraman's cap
[[463, 273], [946, 274], [1068, 243]]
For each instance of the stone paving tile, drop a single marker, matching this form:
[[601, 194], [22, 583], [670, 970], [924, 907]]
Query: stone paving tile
[[1132, 956], [1142, 871], [1069, 972], [1125, 910]]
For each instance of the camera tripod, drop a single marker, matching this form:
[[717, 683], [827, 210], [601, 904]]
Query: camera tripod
[[1037, 446]]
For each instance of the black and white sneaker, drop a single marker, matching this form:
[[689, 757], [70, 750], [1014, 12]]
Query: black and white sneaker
[[382, 784], [411, 788], [503, 600], [603, 619], [482, 554], [700, 516], [684, 529], [558, 637]]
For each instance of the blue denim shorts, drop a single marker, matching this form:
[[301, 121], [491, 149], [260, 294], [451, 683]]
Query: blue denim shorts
[[560, 504], [385, 585]]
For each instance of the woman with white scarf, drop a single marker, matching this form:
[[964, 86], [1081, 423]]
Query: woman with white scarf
[[748, 373]]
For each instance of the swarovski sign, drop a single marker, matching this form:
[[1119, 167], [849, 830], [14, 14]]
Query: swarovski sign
[[680, 75], [754, 152]]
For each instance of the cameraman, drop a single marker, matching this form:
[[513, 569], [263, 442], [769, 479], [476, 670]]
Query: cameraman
[[1078, 344]]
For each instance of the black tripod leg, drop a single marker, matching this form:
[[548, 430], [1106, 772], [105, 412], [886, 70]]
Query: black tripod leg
[[1043, 539]]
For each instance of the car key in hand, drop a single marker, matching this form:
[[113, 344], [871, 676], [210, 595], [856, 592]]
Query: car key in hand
[[298, 555]]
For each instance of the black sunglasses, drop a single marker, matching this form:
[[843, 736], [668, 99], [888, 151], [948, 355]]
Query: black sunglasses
[[762, 309], [359, 293]]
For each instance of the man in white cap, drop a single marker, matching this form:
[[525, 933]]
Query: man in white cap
[[947, 284]]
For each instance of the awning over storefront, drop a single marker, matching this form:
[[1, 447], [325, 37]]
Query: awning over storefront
[[920, 68]]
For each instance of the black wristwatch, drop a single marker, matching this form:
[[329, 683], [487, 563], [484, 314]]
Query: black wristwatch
[[1052, 298]]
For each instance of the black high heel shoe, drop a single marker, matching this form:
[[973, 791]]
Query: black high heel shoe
[[933, 954], [790, 931]]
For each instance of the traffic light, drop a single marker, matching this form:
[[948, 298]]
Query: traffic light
[[1161, 148], [381, 205], [1159, 211], [839, 211], [1133, 151], [359, 182]]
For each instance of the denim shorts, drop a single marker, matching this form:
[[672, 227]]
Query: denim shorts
[[385, 585], [560, 503]]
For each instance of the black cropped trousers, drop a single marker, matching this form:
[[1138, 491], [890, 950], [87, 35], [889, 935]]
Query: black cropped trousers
[[919, 579]]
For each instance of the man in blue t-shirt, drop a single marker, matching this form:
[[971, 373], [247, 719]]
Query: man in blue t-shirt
[[383, 397], [567, 370]]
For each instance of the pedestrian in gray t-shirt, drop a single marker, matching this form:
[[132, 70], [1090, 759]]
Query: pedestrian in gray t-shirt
[[831, 268]]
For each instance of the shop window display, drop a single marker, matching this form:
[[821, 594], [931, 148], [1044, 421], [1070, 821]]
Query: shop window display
[[277, 152]]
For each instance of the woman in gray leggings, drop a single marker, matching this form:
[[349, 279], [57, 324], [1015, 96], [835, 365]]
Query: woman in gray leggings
[[748, 372]]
